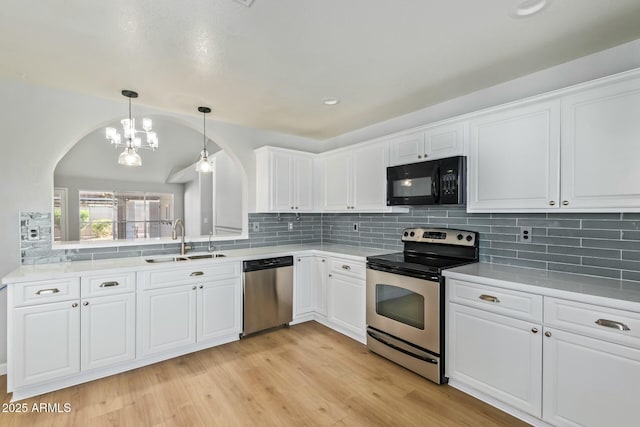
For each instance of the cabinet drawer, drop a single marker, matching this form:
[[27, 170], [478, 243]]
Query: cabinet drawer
[[108, 284], [610, 324], [193, 274], [45, 291], [348, 267], [498, 300]]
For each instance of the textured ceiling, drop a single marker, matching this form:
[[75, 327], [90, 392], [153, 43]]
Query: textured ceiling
[[268, 66]]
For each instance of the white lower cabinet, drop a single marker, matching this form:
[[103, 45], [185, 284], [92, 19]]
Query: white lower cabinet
[[589, 382], [46, 343], [498, 355], [179, 316], [346, 305], [219, 309], [310, 286], [566, 362], [107, 332], [168, 318]]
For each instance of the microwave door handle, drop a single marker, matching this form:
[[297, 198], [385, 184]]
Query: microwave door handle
[[435, 184]]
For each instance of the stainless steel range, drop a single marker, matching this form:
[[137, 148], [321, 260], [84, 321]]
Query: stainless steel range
[[405, 297]]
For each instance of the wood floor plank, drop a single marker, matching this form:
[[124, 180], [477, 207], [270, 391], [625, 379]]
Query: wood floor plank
[[305, 375]]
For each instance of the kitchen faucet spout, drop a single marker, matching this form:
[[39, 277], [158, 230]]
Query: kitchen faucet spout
[[174, 234]]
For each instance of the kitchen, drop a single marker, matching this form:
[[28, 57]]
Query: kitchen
[[61, 113]]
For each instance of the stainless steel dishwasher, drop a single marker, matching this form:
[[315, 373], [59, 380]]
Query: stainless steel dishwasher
[[268, 293]]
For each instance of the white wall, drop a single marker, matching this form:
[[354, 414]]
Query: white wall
[[228, 212]]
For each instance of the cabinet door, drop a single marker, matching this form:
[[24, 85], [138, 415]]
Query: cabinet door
[[219, 309], [46, 342], [320, 286], [589, 382], [601, 148], [514, 159], [337, 181], [444, 141], [107, 331], [168, 318], [497, 355], [281, 182], [346, 305], [370, 177], [303, 183], [407, 149], [304, 285]]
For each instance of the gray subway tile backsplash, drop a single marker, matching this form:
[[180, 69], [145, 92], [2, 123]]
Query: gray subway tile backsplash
[[600, 244]]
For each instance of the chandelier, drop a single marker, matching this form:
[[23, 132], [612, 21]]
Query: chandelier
[[132, 142], [203, 164]]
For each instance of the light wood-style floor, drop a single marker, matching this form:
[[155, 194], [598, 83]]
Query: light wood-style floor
[[305, 375]]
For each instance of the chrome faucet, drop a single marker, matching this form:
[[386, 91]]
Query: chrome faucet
[[211, 248], [174, 235]]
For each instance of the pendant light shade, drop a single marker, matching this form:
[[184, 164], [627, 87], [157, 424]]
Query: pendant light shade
[[204, 165]]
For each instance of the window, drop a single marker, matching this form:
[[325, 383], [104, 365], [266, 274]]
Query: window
[[124, 215], [59, 214]]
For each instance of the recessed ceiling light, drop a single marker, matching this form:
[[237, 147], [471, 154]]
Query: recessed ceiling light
[[330, 101], [526, 8], [247, 3]]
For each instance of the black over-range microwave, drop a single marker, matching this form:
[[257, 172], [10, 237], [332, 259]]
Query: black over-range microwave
[[435, 182]]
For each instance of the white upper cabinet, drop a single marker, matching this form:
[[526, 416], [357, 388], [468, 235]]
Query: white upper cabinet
[[514, 159], [356, 179], [601, 147], [284, 180], [433, 143]]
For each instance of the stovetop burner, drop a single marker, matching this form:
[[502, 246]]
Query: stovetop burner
[[418, 262]]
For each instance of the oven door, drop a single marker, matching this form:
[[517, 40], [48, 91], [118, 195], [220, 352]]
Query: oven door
[[405, 307], [413, 184]]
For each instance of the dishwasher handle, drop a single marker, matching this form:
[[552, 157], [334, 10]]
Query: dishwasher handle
[[267, 263]]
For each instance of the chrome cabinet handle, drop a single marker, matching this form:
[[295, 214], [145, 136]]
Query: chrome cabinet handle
[[194, 288], [291, 207], [489, 298], [612, 324], [547, 334], [534, 330], [109, 284], [86, 303], [552, 203], [346, 267], [48, 291], [74, 305], [197, 273], [565, 202], [419, 156], [323, 260], [201, 286], [331, 275]]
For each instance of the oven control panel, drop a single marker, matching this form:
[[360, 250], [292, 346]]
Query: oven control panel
[[440, 235]]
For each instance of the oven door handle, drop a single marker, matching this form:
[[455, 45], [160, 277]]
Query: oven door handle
[[377, 337]]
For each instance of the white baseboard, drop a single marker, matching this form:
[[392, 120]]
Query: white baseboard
[[3, 369]]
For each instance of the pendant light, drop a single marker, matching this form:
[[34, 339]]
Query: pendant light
[[132, 143], [203, 165]]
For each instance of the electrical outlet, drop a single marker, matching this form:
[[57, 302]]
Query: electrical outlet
[[33, 233], [525, 234], [290, 226], [256, 227], [355, 226]]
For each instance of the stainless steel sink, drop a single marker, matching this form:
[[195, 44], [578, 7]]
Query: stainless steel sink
[[182, 258], [206, 256], [167, 259]]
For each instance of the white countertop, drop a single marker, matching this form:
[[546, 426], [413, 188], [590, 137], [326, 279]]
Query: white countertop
[[590, 289], [53, 271]]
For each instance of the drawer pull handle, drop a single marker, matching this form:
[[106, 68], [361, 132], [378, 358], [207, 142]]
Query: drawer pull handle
[[612, 324], [197, 273], [346, 267], [48, 291], [109, 284], [489, 298]]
